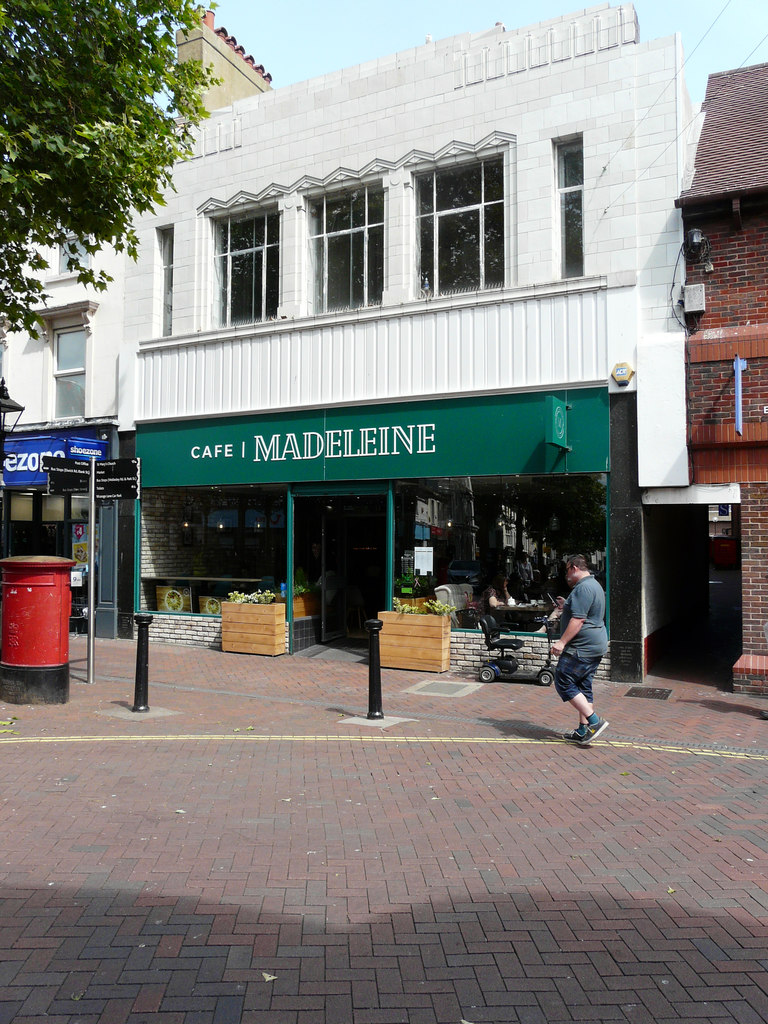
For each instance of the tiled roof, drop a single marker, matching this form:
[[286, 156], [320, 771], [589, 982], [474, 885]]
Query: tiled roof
[[732, 155]]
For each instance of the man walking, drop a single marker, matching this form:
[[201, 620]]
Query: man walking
[[583, 642]]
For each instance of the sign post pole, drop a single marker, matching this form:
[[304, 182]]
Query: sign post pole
[[91, 571]]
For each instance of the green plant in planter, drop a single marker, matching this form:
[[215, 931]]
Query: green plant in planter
[[257, 597], [301, 584], [428, 608]]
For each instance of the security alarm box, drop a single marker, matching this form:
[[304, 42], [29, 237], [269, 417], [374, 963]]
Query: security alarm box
[[693, 298]]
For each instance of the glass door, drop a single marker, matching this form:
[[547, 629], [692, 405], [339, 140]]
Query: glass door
[[333, 579], [341, 556]]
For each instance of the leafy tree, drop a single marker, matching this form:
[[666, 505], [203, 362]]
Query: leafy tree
[[95, 112]]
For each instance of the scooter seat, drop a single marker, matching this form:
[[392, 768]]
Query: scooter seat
[[494, 641]]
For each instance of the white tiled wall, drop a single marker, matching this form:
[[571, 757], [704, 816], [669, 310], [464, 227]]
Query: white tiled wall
[[515, 92]]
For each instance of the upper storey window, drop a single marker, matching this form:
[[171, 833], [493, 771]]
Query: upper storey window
[[570, 187], [461, 227], [247, 265], [69, 373], [347, 248], [165, 240], [70, 251]]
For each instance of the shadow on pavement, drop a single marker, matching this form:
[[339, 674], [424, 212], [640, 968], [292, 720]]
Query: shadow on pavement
[[100, 954]]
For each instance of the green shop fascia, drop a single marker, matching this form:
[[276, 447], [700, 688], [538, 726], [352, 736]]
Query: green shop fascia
[[364, 451]]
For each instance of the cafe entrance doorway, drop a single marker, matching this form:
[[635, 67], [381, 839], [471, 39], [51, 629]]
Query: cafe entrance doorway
[[339, 556]]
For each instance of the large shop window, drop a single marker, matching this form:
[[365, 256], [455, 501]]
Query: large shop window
[[200, 544], [461, 228], [347, 249], [69, 373], [570, 186], [469, 534], [247, 263]]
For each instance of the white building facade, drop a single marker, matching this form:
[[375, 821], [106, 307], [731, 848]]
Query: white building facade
[[380, 314], [65, 376]]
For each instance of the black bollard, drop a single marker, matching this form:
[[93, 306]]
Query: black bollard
[[141, 694], [374, 627]]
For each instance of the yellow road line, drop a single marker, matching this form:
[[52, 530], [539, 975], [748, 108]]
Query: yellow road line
[[667, 748]]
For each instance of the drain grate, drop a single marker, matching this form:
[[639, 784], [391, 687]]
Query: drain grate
[[652, 692], [443, 688]]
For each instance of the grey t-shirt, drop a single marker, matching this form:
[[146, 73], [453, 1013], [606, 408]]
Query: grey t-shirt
[[586, 601]]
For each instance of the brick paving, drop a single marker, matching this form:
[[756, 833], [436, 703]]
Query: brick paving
[[251, 852]]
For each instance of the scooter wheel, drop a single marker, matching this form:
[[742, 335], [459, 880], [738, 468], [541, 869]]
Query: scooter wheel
[[487, 675], [545, 677]]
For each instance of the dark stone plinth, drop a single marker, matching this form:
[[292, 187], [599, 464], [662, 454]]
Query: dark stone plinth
[[28, 684]]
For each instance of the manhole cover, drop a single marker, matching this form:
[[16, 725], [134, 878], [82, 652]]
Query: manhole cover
[[652, 692]]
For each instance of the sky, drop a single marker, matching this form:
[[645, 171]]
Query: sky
[[305, 38]]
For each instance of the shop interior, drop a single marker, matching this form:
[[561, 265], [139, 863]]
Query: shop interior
[[200, 544]]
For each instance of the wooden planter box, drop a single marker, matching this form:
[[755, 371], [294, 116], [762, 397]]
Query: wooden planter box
[[420, 642], [306, 604], [253, 628]]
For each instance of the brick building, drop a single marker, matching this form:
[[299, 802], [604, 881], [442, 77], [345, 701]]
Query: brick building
[[725, 212]]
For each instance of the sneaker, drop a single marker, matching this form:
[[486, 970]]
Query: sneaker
[[593, 731], [575, 735]]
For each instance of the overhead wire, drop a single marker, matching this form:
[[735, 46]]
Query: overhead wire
[[685, 127]]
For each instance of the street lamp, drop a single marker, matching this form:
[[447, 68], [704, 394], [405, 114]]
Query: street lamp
[[8, 408]]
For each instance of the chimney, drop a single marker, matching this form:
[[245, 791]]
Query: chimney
[[239, 75]]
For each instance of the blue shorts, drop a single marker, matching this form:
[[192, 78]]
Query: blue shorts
[[574, 676]]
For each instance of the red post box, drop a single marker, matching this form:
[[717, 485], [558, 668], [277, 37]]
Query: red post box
[[37, 601]]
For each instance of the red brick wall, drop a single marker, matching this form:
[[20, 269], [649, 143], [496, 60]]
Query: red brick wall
[[750, 674], [735, 322], [737, 287]]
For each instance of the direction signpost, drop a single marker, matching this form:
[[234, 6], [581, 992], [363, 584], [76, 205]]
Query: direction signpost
[[66, 476], [102, 480], [115, 478], [118, 478]]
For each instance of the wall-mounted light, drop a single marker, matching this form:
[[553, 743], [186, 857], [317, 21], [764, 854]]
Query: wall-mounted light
[[697, 248]]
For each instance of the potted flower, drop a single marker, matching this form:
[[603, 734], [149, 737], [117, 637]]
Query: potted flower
[[253, 623], [416, 637]]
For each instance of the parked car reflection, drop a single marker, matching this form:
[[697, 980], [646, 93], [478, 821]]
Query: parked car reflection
[[465, 571]]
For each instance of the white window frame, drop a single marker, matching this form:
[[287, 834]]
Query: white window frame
[[166, 242], [429, 286], [269, 252], [70, 373], [72, 245], [320, 237], [571, 263]]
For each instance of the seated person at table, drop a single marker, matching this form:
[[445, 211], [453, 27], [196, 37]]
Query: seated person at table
[[495, 596]]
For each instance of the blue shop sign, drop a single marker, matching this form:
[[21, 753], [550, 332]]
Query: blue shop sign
[[23, 455]]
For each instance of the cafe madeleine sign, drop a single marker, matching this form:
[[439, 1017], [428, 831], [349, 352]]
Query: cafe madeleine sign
[[442, 437], [346, 443]]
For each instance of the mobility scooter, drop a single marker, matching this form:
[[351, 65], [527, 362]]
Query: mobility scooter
[[502, 664]]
